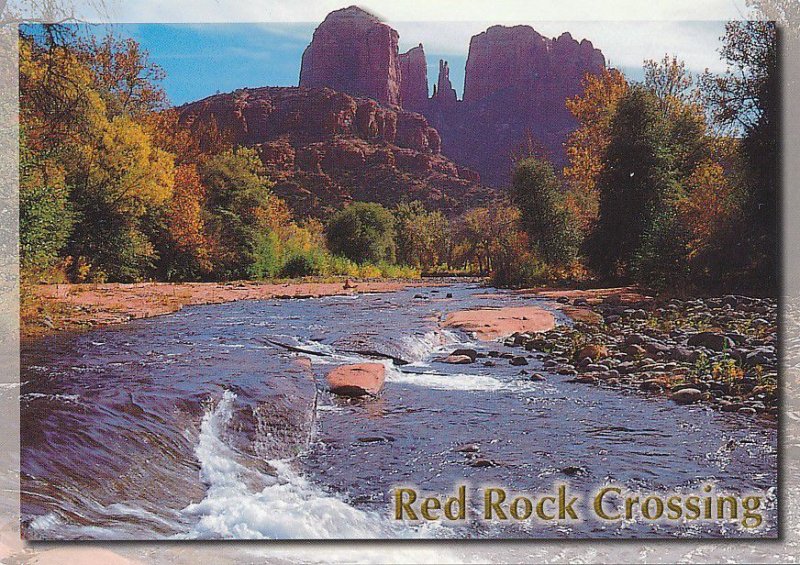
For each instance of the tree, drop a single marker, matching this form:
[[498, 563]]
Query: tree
[[238, 201], [746, 99], [635, 184], [670, 81], [363, 232], [586, 145], [680, 102], [128, 82], [423, 237], [121, 178], [185, 251], [550, 228], [118, 180], [45, 213]]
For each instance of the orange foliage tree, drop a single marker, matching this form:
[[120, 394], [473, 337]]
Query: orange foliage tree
[[594, 109], [708, 207], [185, 225]]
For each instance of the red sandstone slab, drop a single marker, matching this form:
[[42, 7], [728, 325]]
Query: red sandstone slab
[[362, 379], [492, 323]]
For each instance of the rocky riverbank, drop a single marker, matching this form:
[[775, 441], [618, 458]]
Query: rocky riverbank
[[720, 351]]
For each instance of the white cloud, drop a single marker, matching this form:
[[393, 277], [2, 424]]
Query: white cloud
[[625, 44], [421, 10], [611, 24]]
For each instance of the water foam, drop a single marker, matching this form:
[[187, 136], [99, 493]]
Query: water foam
[[454, 381], [418, 348], [289, 507]]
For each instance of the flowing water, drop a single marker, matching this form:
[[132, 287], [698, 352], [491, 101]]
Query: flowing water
[[197, 425]]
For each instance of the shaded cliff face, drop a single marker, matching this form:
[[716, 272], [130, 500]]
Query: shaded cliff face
[[353, 51], [515, 89], [516, 84], [414, 79], [324, 148]]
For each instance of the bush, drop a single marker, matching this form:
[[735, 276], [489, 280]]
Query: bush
[[299, 266], [363, 232], [267, 261]]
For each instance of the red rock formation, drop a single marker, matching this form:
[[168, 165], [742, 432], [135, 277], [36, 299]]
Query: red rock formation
[[515, 88], [323, 148], [520, 59], [354, 52], [516, 83], [444, 94], [414, 79]]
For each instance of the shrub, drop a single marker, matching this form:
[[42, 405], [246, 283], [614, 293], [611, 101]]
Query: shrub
[[266, 256], [363, 232], [299, 266]]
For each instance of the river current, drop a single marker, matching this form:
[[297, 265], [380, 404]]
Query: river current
[[201, 424]]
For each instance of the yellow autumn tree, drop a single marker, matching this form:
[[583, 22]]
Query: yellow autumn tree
[[593, 109], [708, 206]]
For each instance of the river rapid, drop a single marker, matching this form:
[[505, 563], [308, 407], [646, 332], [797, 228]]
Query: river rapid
[[197, 425]]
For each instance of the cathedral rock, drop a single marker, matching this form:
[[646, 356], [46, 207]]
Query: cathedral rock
[[354, 52], [516, 85]]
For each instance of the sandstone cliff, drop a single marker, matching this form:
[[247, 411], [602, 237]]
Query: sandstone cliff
[[414, 79], [516, 83], [324, 148], [352, 51]]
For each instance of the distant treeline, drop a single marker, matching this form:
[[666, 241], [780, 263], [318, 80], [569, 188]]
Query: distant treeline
[[671, 184]]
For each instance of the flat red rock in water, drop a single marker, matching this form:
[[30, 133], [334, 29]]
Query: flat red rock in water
[[357, 380], [489, 324]]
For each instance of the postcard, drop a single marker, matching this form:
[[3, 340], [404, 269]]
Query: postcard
[[364, 279]]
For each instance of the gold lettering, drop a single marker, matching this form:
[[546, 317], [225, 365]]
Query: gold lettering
[[674, 505], [429, 504], [490, 505], [526, 502], [540, 508], [401, 506], [598, 503], [565, 508], [692, 506], [461, 501]]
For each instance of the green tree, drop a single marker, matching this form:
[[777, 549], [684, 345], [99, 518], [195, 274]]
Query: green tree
[[746, 100], [423, 237], [635, 184], [238, 202], [551, 229], [45, 213], [363, 232]]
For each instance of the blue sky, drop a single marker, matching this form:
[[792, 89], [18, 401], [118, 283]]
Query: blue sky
[[202, 59]]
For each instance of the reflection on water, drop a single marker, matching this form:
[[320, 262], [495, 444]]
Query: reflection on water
[[197, 425]]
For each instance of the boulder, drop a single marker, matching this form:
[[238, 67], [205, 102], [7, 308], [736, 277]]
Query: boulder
[[686, 396], [710, 340], [362, 379], [471, 353], [489, 324], [458, 360], [593, 352]]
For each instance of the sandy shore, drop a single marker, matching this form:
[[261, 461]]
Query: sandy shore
[[59, 307]]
